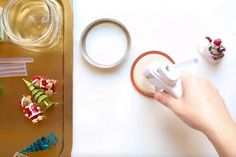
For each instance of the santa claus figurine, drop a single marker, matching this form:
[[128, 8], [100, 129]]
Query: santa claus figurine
[[31, 110], [216, 48], [48, 85], [213, 51]]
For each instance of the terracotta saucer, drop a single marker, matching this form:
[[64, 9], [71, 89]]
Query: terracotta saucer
[[136, 72]]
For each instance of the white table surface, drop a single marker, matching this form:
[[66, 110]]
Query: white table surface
[[109, 117]]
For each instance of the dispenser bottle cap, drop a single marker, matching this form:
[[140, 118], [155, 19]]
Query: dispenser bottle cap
[[168, 74]]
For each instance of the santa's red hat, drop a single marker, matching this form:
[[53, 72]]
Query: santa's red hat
[[36, 78], [217, 42]]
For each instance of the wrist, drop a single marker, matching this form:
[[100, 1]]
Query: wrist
[[225, 128], [223, 138]]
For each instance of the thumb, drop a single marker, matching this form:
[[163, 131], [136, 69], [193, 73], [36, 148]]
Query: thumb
[[167, 100]]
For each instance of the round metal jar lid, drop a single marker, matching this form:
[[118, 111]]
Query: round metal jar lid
[[112, 35]]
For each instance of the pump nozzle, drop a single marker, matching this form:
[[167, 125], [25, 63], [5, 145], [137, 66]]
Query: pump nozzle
[[166, 76], [183, 64]]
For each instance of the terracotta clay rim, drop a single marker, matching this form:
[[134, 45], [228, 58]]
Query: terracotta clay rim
[[147, 94]]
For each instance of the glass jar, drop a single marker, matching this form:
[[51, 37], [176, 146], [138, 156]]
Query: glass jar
[[33, 24]]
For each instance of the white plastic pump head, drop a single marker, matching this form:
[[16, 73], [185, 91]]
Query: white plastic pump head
[[164, 77], [168, 74]]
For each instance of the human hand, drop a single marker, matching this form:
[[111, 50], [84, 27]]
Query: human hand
[[201, 105]]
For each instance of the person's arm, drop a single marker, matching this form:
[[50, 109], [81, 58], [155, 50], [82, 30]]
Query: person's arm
[[202, 107]]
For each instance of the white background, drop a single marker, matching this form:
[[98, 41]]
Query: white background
[[110, 118]]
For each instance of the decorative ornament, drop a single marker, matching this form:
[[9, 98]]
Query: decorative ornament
[[40, 97], [213, 51], [31, 110], [42, 144], [48, 85]]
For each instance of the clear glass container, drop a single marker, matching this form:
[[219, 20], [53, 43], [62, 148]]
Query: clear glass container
[[33, 24]]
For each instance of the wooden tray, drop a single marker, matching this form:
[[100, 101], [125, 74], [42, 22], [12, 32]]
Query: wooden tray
[[16, 131]]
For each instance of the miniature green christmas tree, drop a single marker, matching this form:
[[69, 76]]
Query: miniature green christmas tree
[[44, 143], [39, 96]]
